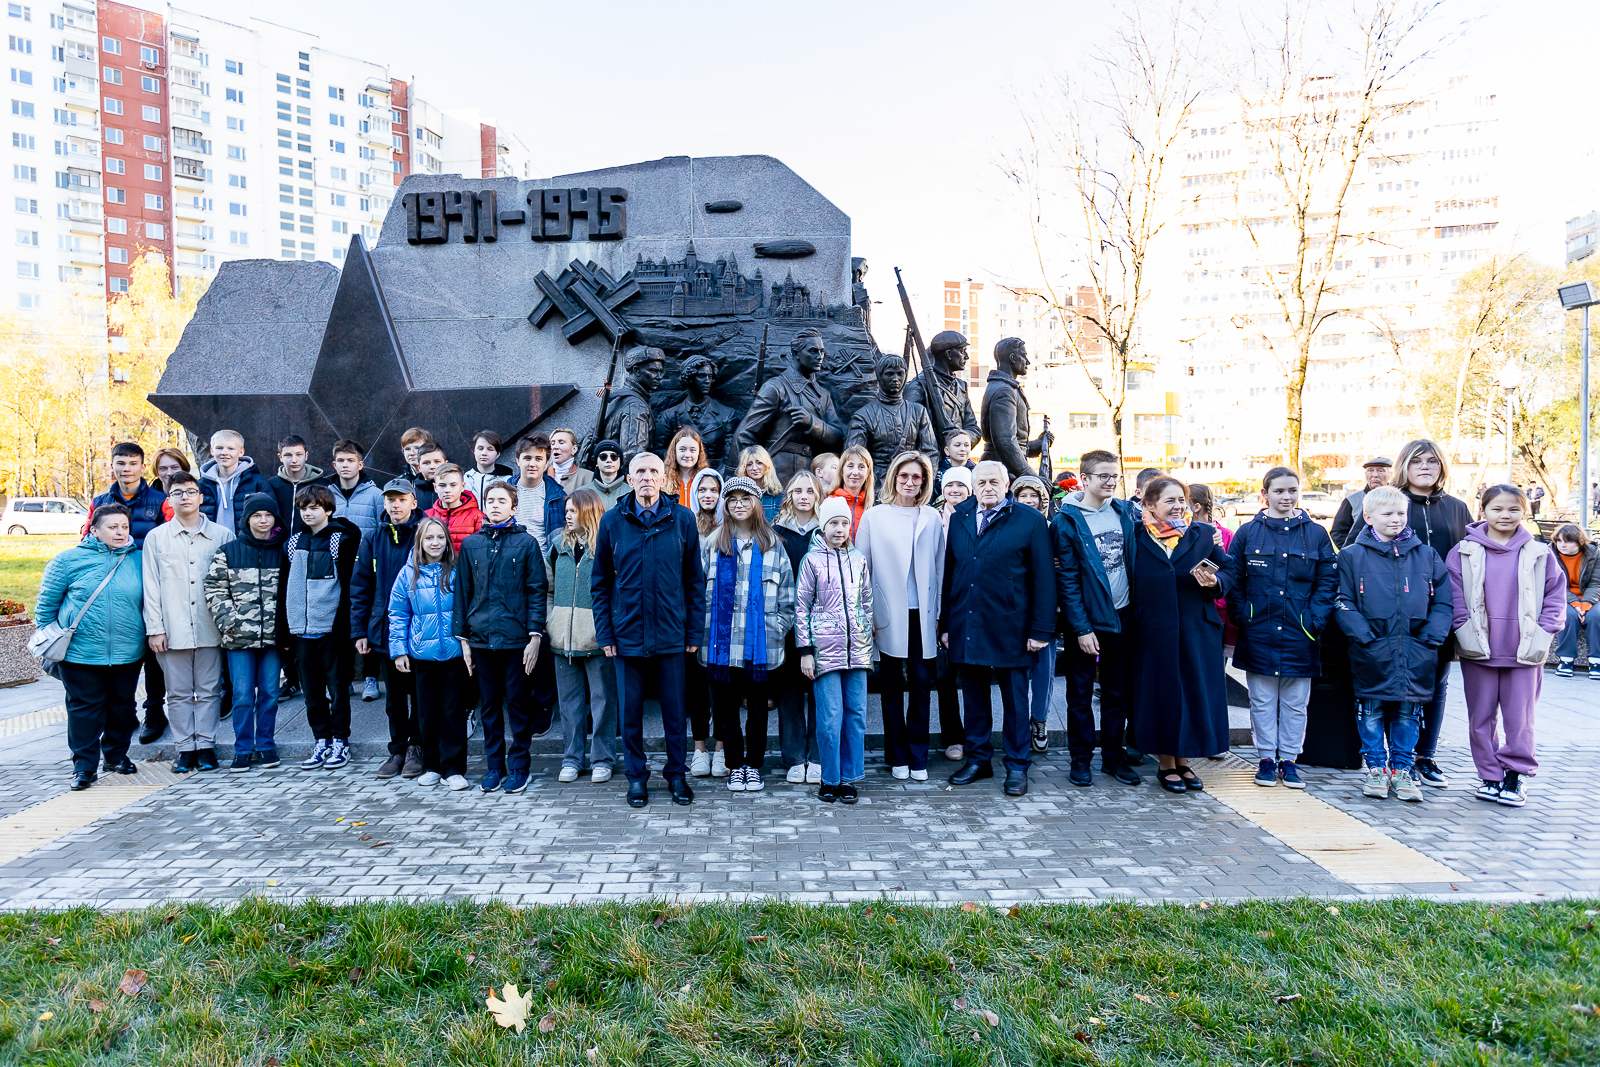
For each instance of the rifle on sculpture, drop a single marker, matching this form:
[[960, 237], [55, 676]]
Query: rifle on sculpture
[[605, 401], [932, 395], [1047, 470], [761, 361]]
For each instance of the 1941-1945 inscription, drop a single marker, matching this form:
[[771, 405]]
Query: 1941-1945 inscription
[[476, 215]]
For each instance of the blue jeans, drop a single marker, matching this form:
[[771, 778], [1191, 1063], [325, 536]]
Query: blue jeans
[[1567, 643], [841, 725], [1041, 676], [254, 672], [1403, 721]]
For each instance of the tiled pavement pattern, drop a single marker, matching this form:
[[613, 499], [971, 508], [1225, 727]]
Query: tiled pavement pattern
[[220, 836]]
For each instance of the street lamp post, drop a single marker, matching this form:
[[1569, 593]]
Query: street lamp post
[[1574, 296], [1510, 381]]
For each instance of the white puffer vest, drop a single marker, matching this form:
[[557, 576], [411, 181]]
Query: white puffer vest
[[1472, 638]]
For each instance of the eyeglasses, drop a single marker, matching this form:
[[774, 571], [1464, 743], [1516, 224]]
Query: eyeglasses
[[183, 494], [1109, 479]]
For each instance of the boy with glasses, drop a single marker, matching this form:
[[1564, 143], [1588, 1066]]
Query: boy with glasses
[[1093, 535]]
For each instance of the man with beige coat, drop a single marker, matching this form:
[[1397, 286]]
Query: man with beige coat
[[179, 626]]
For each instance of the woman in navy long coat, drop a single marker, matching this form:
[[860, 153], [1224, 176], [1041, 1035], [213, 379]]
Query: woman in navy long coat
[[1180, 698]]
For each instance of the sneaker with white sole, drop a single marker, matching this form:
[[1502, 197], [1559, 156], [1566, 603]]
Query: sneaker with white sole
[[1513, 790], [1039, 736], [456, 783], [1267, 774], [369, 690], [430, 778], [568, 773], [700, 764], [901, 771], [319, 753], [920, 775], [1431, 775], [719, 765], [1406, 787], [601, 773], [752, 780], [797, 774], [813, 774], [1376, 784], [338, 755], [1489, 791], [1289, 774], [1564, 669], [735, 780]]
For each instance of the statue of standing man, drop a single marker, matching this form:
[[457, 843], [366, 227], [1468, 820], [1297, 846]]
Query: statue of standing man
[[629, 421], [889, 424], [793, 416], [713, 420], [1005, 411], [941, 383]]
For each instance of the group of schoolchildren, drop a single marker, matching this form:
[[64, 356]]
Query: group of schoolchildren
[[471, 590]]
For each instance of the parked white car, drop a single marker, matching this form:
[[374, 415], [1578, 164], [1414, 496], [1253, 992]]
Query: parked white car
[[1319, 505], [43, 515]]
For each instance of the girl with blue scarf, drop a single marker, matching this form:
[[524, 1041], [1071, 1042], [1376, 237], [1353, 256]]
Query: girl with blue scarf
[[750, 596]]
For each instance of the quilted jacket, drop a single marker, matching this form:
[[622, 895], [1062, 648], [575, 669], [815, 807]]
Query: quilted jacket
[[833, 609], [420, 617], [244, 590], [569, 611]]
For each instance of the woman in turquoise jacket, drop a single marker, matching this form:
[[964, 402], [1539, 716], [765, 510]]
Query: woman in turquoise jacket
[[101, 668], [421, 611]]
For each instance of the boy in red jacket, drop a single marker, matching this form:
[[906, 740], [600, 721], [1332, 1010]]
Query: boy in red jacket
[[457, 507]]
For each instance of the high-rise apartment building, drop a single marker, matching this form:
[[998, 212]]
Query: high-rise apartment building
[[1423, 209], [202, 140]]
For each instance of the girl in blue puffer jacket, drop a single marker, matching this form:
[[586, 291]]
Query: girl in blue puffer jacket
[[421, 610]]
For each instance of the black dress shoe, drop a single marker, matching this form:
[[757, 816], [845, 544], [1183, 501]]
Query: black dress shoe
[[638, 795], [1123, 773], [82, 780], [149, 735], [124, 767], [1017, 781], [679, 788], [1080, 773], [970, 772], [1171, 781], [1191, 780]]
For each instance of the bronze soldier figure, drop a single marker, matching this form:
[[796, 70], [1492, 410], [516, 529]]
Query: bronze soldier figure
[[793, 416], [942, 383], [1005, 411], [628, 418], [889, 424], [714, 420]]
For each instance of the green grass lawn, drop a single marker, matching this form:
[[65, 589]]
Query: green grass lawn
[[22, 561], [1371, 984]]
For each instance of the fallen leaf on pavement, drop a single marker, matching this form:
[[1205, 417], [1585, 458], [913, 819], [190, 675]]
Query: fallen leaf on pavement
[[869, 913], [593, 1054], [548, 1023], [339, 820], [1015, 912], [358, 824], [380, 844], [1094, 1020], [1333, 911], [1204, 904], [685, 987], [365, 837], [132, 982], [513, 1010], [1286, 998], [1081, 1036], [891, 920], [551, 985], [472, 958], [357, 973]]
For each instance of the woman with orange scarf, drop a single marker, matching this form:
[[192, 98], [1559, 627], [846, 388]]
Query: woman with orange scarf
[[853, 483], [1180, 699]]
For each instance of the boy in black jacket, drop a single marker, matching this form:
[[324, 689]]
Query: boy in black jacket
[[499, 617], [321, 559], [384, 554]]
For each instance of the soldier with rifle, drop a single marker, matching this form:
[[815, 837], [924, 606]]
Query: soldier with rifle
[[939, 387], [625, 416], [793, 416]]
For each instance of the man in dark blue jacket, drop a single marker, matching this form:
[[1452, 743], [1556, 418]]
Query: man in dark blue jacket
[[144, 501], [649, 612], [384, 554], [1093, 534], [998, 608]]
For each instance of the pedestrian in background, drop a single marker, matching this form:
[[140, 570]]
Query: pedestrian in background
[[902, 540], [95, 589], [1509, 595], [1286, 581], [1375, 472], [833, 627], [1580, 560]]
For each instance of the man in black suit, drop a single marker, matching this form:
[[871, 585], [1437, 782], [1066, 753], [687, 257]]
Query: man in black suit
[[998, 608]]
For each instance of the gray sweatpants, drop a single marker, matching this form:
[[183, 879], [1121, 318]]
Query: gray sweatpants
[[586, 687], [1278, 715], [194, 696]]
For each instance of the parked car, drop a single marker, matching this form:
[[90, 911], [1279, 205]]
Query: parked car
[[43, 515], [1237, 504], [1320, 505]]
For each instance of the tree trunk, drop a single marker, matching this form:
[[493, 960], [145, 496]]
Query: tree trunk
[[1295, 422]]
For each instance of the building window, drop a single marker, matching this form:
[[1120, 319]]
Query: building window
[[112, 45], [113, 136], [152, 144], [25, 174], [1083, 421], [116, 166], [149, 84], [335, 94], [238, 237], [116, 196], [235, 124], [113, 106], [149, 55], [337, 146], [152, 114], [27, 270], [23, 45], [22, 77], [26, 206], [154, 202], [152, 173], [235, 152], [18, 11], [341, 227], [236, 181], [238, 209], [116, 225], [155, 230], [22, 108], [22, 140], [338, 174], [119, 285], [117, 255], [112, 76], [233, 66], [335, 120], [236, 95]]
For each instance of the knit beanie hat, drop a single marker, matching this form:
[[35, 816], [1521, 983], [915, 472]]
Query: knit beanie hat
[[608, 445], [833, 508], [741, 484], [956, 474]]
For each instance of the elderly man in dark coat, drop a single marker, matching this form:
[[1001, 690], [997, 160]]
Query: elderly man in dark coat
[[1005, 411], [998, 609]]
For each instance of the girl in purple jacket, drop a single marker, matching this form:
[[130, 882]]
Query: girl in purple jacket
[[1509, 605], [833, 635]]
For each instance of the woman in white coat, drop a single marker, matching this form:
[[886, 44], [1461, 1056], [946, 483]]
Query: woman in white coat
[[903, 541]]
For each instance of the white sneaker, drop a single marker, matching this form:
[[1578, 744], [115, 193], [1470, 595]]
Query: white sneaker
[[601, 773], [319, 753], [901, 771], [955, 753], [735, 780], [429, 778], [813, 774], [456, 783], [338, 755], [719, 765], [568, 774], [700, 764], [920, 776], [752, 780], [797, 774]]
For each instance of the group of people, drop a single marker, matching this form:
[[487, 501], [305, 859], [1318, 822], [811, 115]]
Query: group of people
[[549, 593]]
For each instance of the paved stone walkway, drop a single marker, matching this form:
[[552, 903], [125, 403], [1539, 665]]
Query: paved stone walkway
[[344, 835]]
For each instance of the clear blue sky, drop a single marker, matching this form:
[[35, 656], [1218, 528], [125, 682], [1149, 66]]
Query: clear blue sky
[[897, 111]]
